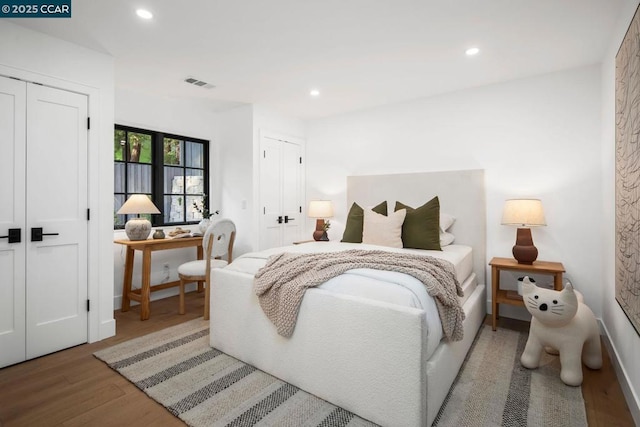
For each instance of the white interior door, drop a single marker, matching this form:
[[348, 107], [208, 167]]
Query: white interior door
[[270, 193], [57, 203], [291, 192], [12, 216], [281, 195]]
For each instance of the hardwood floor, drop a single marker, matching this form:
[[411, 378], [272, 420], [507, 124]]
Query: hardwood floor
[[604, 402], [73, 388]]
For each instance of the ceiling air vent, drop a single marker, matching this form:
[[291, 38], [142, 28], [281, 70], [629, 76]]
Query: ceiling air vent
[[196, 82]]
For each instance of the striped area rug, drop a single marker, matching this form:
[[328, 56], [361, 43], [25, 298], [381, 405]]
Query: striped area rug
[[493, 389], [205, 387]]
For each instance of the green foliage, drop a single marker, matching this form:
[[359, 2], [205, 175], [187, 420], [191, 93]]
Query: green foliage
[[139, 147], [119, 142], [172, 151]]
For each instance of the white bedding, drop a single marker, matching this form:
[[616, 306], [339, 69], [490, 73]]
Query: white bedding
[[380, 285]]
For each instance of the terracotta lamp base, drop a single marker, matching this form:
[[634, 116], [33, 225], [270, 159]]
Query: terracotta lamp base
[[320, 235], [524, 251]]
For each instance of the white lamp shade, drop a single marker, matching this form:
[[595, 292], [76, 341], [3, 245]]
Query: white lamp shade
[[320, 209], [138, 204], [523, 212]]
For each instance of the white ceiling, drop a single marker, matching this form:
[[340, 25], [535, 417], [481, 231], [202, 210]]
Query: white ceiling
[[358, 53]]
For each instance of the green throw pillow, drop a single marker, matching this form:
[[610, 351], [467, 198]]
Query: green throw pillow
[[421, 228], [355, 221]]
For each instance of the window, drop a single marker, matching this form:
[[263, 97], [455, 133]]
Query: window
[[172, 170]]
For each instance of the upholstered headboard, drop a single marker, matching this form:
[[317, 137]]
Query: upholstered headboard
[[461, 194]]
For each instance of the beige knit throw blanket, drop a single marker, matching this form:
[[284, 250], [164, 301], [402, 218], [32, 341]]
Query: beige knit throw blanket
[[281, 283]]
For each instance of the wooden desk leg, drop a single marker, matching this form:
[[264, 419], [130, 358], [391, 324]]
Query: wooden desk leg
[[557, 281], [145, 290], [495, 285], [126, 282]]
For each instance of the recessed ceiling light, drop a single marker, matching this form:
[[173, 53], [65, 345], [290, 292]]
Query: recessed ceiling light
[[472, 51], [314, 92], [144, 14]]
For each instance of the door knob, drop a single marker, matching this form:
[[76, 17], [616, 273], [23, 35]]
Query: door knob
[[14, 235], [287, 219], [36, 234]]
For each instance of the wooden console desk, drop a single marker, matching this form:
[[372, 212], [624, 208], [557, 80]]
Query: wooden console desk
[[143, 295]]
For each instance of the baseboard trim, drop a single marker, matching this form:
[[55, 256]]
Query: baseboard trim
[[633, 402], [107, 329]]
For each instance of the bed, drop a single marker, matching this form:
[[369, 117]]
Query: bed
[[377, 357]]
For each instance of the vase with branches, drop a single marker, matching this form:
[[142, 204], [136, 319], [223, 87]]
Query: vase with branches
[[203, 209]]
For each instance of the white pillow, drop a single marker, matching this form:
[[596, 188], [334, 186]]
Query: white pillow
[[446, 221], [383, 230], [446, 239]]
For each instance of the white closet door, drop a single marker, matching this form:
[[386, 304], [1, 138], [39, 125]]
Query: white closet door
[[57, 202], [12, 216], [281, 195]]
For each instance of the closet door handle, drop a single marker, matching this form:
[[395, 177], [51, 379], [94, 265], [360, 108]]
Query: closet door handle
[[280, 219], [14, 235], [36, 234], [287, 219]]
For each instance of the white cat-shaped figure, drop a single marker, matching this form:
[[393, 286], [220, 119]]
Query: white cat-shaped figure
[[564, 323]]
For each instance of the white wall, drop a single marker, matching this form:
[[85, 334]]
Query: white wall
[[189, 117], [624, 339], [33, 56], [536, 137], [235, 133]]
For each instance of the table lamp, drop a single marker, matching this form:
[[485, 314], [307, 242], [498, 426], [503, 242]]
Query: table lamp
[[138, 228], [524, 213], [320, 209]]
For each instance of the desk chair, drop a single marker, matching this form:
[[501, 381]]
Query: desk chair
[[217, 241]]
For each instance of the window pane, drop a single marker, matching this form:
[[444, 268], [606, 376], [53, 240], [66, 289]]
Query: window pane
[[118, 176], [194, 155], [147, 216], [118, 201], [139, 178], [173, 180], [195, 181], [119, 142], [192, 212], [173, 209], [172, 151], [139, 147]]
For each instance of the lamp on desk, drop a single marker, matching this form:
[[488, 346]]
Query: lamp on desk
[[138, 228], [320, 209], [524, 213]]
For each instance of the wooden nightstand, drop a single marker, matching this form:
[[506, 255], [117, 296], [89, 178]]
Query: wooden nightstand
[[499, 296]]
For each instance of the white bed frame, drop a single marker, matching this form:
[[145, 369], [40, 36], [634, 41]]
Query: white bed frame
[[365, 356]]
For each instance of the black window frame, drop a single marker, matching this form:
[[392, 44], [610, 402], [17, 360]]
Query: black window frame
[[157, 173]]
